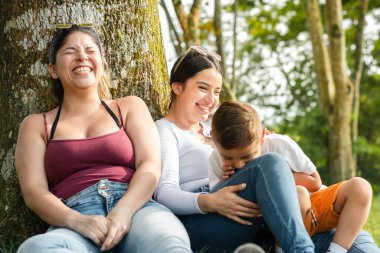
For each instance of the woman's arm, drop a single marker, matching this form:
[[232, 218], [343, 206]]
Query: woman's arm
[[168, 191], [141, 130], [30, 152]]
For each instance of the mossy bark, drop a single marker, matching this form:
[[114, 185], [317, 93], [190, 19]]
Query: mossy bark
[[131, 36]]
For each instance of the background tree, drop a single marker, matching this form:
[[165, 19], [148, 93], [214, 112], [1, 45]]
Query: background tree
[[275, 73], [336, 89], [131, 36]]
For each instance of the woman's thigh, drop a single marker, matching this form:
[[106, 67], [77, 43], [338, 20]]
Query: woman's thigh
[[58, 240], [155, 229], [363, 243]]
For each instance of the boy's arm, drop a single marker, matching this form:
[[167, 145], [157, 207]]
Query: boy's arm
[[304, 171], [215, 169], [311, 182]]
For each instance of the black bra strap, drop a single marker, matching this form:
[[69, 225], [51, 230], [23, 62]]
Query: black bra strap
[[112, 114], [55, 123], [54, 126]]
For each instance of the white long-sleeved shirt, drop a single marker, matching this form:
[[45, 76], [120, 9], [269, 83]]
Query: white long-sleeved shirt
[[184, 163], [277, 143]]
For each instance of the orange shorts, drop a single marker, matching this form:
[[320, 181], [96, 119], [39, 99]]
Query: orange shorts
[[322, 216]]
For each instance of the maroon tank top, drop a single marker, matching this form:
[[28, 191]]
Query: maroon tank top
[[74, 164]]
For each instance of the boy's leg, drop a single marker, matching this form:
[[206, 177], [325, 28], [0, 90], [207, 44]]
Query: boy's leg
[[353, 203], [363, 243], [306, 210], [304, 200]]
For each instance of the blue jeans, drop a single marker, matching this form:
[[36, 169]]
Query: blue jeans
[[364, 243], [154, 228], [270, 183]]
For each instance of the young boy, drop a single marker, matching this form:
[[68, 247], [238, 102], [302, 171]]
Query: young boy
[[238, 137]]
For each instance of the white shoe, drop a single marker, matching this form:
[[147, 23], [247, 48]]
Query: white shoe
[[249, 248], [279, 250]]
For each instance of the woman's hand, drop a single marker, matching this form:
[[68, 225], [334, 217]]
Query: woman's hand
[[93, 227], [119, 224], [227, 203]]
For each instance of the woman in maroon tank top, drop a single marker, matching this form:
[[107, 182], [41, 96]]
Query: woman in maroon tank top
[[90, 170]]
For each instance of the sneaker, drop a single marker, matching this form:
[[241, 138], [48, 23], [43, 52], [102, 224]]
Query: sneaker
[[279, 250], [249, 248]]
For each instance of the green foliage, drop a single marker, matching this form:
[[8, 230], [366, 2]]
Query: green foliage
[[9, 246], [368, 145], [372, 225], [278, 40], [311, 133]]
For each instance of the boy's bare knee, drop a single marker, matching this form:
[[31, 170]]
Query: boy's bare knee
[[360, 189]]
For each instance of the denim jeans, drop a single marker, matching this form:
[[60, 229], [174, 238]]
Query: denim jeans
[[364, 243], [154, 228], [270, 183]]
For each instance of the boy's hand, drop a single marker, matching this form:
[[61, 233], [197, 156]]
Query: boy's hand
[[227, 171], [266, 132]]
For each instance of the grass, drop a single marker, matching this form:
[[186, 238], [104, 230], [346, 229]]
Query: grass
[[373, 222], [7, 248]]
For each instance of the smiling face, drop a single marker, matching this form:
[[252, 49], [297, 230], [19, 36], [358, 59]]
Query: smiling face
[[199, 95], [238, 157], [78, 62]]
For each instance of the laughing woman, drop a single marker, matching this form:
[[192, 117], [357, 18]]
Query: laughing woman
[[89, 167]]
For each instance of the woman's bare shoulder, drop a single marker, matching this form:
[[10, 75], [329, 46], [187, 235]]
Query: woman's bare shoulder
[[34, 123], [131, 104], [32, 119], [131, 100]]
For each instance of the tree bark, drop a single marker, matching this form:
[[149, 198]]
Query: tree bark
[[227, 92], [131, 37], [335, 86], [358, 70]]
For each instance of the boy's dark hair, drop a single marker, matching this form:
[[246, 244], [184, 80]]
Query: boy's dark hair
[[236, 125]]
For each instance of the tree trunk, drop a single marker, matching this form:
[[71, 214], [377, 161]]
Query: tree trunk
[[131, 37], [358, 70], [227, 92], [334, 85]]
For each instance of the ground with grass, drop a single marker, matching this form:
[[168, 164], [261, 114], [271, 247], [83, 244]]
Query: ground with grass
[[373, 222]]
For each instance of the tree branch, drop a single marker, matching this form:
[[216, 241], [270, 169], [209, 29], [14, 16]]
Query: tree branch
[[358, 68], [174, 36], [322, 64]]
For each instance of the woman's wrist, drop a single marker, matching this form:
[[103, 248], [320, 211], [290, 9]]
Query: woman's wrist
[[72, 219], [205, 203]]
